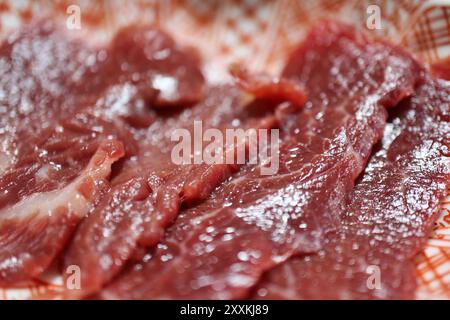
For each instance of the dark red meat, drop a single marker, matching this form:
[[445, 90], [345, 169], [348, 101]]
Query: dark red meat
[[220, 248], [110, 236], [55, 90], [35, 229], [389, 215], [63, 105], [150, 58], [264, 86]]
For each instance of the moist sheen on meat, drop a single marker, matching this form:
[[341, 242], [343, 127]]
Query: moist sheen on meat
[[67, 112], [252, 223], [65, 99], [389, 214], [149, 189]]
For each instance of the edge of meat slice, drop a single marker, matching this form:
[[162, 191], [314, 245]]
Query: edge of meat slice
[[121, 226], [63, 97], [389, 216], [252, 223], [34, 230]]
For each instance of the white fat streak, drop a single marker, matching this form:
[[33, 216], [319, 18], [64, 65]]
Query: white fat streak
[[45, 203], [4, 162]]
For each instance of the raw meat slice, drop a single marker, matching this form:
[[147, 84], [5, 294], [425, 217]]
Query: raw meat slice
[[39, 69], [389, 215], [48, 79], [110, 236], [151, 58], [56, 155], [59, 100], [35, 229], [220, 248]]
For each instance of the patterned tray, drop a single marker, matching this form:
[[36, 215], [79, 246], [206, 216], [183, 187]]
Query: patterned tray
[[260, 33]]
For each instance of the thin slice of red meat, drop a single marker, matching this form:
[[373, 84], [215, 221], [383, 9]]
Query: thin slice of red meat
[[35, 229], [220, 248], [112, 234], [148, 56], [60, 99], [40, 83], [389, 215], [52, 84]]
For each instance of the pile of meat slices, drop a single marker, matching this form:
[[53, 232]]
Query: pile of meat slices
[[86, 177]]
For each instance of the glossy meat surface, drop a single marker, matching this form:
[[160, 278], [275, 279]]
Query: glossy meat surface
[[252, 223], [389, 214], [149, 189], [35, 229], [63, 98], [61, 102]]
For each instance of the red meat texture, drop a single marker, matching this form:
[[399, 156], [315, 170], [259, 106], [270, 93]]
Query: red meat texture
[[87, 176]]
